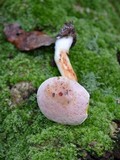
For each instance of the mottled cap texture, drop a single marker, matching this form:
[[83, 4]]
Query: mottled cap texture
[[63, 100], [67, 30]]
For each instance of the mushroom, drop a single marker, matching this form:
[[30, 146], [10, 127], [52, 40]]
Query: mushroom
[[62, 99]]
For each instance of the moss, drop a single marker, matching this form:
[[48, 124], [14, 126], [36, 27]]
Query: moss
[[25, 133]]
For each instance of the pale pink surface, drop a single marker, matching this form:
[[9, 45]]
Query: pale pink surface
[[63, 100]]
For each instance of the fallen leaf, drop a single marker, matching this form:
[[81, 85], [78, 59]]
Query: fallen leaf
[[26, 41]]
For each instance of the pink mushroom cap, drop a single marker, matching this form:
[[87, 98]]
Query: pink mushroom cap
[[63, 100]]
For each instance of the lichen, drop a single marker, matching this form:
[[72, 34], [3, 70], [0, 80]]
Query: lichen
[[25, 133]]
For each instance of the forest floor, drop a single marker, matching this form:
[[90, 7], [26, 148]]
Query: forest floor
[[25, 133]]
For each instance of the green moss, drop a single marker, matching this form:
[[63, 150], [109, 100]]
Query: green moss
[[24, 132]]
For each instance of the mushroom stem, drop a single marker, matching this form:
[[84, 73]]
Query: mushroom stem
[[63, 43], [64, 65]]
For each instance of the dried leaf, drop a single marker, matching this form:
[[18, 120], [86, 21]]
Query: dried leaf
[[26, 41]]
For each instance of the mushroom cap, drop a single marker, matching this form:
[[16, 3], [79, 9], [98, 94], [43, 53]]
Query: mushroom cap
[[63, 100]]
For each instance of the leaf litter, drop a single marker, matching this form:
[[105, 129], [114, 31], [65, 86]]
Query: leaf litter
[[26, 41]]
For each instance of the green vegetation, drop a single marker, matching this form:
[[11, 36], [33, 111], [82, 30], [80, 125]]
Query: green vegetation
[[24, 132]]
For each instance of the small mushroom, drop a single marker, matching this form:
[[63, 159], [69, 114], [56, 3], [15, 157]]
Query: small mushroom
[[62, 99]]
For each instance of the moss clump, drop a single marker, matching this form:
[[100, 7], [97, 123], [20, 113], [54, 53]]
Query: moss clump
[[24, 132]]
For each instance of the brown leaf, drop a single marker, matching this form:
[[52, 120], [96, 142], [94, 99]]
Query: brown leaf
[[26, 41]]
